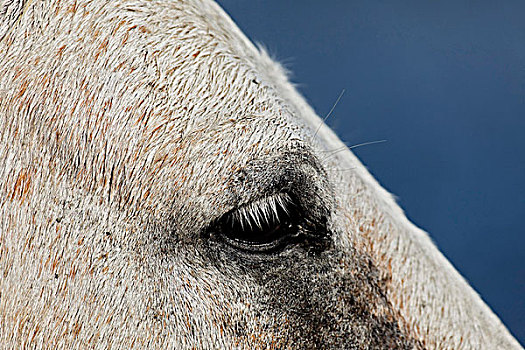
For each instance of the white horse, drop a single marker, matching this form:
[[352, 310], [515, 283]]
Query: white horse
[[164, 186]]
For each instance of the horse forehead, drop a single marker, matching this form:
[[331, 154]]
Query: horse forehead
[[185, 48], [189, 42], [171, 88], [186, 58]]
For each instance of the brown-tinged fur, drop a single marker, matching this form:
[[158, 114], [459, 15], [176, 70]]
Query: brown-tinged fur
[[127, 130]]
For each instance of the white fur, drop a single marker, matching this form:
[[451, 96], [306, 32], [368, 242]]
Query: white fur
[[158, 99]]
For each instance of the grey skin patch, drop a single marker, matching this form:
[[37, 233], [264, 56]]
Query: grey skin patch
[[326, 307], [10, 11], [317, 295], [316, 299], [312, 303]]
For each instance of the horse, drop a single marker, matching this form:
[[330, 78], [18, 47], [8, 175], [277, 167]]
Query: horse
[[165, 186]]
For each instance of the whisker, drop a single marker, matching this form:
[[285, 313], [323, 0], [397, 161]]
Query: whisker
[[329, 113], [337, 150], [347, 169], [367, 143]]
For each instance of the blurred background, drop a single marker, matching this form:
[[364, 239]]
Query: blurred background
[[444, 83]]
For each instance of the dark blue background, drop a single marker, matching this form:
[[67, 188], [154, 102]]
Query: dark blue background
[[444, 83]]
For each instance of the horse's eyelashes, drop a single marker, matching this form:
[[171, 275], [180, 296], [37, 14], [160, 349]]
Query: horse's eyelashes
[[264, 225], [262, 213]]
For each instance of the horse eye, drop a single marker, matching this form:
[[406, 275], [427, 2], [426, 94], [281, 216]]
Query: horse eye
[[262, 226]]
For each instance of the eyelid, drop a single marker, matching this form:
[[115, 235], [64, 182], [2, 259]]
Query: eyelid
[[264, 211], [261, 226], [260, 248]]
